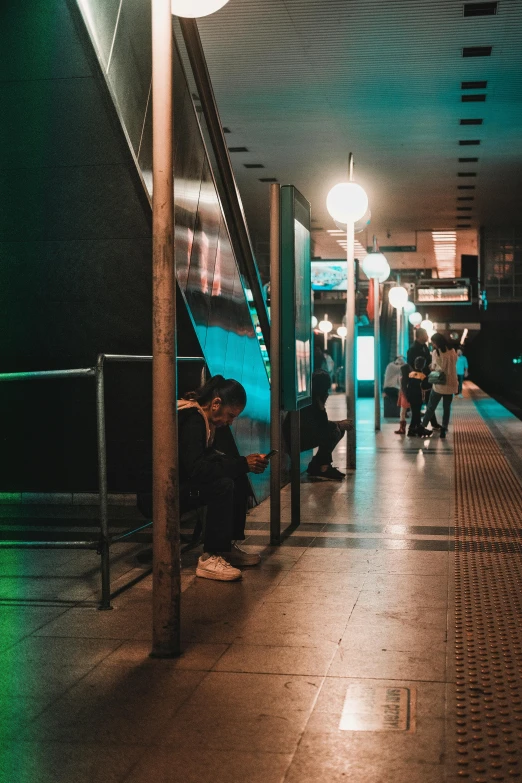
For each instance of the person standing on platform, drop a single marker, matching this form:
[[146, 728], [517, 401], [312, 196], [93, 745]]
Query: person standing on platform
[[444, 362], [420, 348], [416, 390], [392, 378], [462, 370], [402, 402]]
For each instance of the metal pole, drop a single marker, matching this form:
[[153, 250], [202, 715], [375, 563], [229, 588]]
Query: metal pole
[[104, 547], [399, 330], [377, 353], [350, 370], [275, 366], [166, 585], [295, 469]]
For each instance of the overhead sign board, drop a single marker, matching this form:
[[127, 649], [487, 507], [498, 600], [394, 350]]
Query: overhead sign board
[[451, 292], [296, 300]]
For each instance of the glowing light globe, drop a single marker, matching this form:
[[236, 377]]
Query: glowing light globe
[[194, 8], [375, 265], [342, 331], [359, 225], [409, 308], [314, 322], [415, 319], [398, 297], [347, 201], [428, 325], [325, 326]]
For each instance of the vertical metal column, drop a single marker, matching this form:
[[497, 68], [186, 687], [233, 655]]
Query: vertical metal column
[[166, 541], [295, 470], [104, 546], [350, 368], [377, 352], [275, 364]]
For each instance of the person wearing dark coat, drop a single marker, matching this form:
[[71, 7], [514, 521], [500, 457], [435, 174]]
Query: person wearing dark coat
[[416, 389], [420, 348], [208, 477]]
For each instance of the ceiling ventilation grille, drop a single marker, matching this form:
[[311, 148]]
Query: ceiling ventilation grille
[[468, 142], [237, 149], [478, 98], [480, 9], [477, 51], [471, 122], [473, 85]]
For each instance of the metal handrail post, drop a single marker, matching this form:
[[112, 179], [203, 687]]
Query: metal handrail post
[[104, 547]]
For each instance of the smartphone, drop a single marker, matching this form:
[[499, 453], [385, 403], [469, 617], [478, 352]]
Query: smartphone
[[271, 453]]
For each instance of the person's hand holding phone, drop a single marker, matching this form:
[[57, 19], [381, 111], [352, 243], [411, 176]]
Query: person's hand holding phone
[[257, 463]]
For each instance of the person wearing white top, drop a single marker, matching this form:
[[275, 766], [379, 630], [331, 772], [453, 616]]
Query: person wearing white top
[[462, 369], [443, 359]]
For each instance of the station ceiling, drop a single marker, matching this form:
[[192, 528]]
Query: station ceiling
[[427, 94]]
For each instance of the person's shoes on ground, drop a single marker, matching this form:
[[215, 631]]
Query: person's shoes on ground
[[330, 474], [443, 432], [216, 567], [422, 432], [240, 557], [435, 426], [402, 428]]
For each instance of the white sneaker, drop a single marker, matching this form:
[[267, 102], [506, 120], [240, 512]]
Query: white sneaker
[[240, 557], [215, 567]]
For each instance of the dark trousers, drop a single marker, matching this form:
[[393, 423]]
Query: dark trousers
[[326, 438], [415, 415], [433, 401], [226, 502], [460, 379]]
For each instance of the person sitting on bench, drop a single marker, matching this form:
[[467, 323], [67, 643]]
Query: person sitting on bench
[[208, 477], [318, 431]]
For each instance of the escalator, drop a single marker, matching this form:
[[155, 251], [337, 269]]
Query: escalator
[[75, 241]]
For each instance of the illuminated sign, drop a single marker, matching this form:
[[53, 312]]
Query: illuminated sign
[[296, 300], [443, 294], [365, 352]]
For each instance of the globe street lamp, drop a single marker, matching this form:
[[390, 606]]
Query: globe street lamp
[[314, 322], [415, 319], [376, 268], [347, 202], [326, 327], [194, 8], [341, 331]]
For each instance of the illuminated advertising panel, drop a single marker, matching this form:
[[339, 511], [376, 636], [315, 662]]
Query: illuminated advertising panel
[[296, 301]]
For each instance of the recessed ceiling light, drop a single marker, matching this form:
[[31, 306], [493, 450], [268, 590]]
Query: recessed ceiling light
[[473, 85], [478, 98], [464, 225], [253, 165], [468, 160], [465, 198], [476, 51], [465, 187], [273, 179], [471, 122], [469, 142], [480, 9], [237, 149], [466, 174], [464, 209]]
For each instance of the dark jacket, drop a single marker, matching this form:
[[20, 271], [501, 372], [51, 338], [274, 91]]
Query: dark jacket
[[197, 463], [416, 387], [419, 349]]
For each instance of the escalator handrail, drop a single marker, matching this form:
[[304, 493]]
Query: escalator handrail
[[232, 205]]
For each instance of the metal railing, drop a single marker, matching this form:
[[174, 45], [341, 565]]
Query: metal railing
[[102, 546]]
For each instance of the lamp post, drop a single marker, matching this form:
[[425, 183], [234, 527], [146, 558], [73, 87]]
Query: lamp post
[[166, 571], [347, 202], [376, 268], [407, 310], [326, 327]]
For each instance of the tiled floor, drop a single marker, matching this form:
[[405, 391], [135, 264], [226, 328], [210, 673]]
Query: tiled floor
[[360, 593]]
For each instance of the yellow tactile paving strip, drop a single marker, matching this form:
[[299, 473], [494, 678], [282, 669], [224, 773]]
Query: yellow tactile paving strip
[[488, 607]]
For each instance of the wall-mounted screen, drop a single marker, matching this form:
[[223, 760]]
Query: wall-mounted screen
[[329, 275], [443, 294]]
